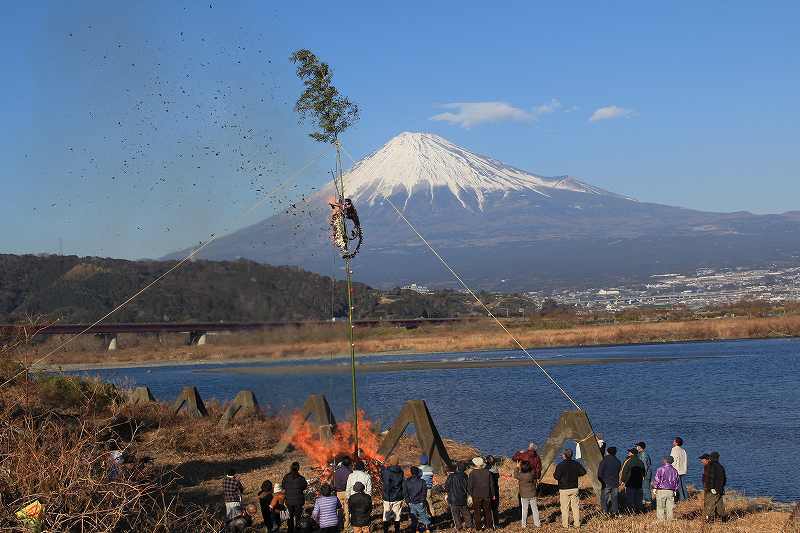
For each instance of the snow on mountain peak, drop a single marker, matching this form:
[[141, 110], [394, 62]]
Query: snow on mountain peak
[[424, 162]]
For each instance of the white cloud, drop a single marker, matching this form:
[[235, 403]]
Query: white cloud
[[551, 107], [468, 114], [609, 112]]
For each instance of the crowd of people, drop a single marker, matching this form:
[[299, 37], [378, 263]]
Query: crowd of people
[[472, 492]]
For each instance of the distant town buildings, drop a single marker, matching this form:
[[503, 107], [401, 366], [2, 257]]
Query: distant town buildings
[[704, 288], [417, 288]]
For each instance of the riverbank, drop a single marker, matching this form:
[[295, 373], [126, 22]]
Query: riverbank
[[174, 466], [310, 342]]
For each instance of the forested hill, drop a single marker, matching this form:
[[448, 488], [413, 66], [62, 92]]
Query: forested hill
[[81, 289]]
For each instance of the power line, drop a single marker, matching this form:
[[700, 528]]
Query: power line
[[463, 284]]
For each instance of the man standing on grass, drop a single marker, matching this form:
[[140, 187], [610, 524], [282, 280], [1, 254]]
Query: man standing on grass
[[608, 474], [631, 481], [340, 482], [567, 473], [294, 485], [392, 478], [360, 509], [665, 483], [681, 464], [427, 476], [232, 490], [647, 498], [456, 487], [414, 493], [481, 488], [714, 481]]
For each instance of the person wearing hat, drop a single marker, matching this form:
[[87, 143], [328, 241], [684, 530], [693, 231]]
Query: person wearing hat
[[393, 481], [714, 481], [647, 497], [631, 479], [481, 488], [665, 484], [277, 507], [360, 508], [567, 473]]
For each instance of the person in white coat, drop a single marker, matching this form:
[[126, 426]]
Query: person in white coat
[[681, 465], [359, 474]]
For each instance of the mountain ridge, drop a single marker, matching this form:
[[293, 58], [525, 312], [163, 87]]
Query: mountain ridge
[[503, 227]]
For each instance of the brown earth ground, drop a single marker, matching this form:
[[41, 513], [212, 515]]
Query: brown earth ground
[[203, 484], [201, 454], [330, 341]]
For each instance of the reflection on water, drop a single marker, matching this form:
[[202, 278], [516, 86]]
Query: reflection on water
[[739, 398]]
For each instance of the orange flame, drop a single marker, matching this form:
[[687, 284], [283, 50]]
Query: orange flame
[[306, 439]]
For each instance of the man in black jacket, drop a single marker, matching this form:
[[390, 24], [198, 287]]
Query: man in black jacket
[[294, 486], [567, 473], [714, 481], [360, 509], [632, 477], [608, 474], [392, 478], [456, 487]]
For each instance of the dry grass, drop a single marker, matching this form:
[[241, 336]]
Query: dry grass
[[316, 341], [180, 488]]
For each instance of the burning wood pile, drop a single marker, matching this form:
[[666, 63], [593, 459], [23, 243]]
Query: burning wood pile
[[327, 454]]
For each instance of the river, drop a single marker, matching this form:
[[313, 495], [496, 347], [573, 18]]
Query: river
[[740, 398]]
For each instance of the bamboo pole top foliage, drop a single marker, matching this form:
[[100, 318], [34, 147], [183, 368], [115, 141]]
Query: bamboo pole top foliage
[[321, 102]]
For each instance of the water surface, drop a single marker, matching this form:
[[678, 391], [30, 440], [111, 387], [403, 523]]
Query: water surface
[[739, 398]]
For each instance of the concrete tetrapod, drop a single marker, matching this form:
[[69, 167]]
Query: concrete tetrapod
[[430, 442], [190, 403], [316, 407], [243, 406], [574, 425], [141, 395]]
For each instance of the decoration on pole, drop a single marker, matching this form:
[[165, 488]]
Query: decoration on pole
[[333, 113]]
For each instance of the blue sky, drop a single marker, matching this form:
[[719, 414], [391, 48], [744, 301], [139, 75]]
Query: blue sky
[[134, 130]]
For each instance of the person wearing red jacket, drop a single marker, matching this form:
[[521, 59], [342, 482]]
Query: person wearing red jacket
[[531, 457]]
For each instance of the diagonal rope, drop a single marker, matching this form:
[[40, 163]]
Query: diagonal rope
[[480, 302], [176, 266], [489, 311]]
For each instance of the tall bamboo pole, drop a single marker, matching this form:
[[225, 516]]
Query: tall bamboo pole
[[349, 278]]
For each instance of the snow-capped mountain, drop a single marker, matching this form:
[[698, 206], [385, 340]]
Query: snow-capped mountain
[[503, 227], [423, 163]]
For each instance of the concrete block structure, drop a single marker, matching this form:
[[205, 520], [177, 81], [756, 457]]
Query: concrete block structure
[[574, 425], [190, 403], [316, 408], [141, 395], [430, 442], [243, 406]]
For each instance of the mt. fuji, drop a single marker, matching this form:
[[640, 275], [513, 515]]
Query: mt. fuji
[[503, 227]]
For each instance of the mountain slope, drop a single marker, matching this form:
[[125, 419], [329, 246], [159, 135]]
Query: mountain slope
[[504, 227]]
